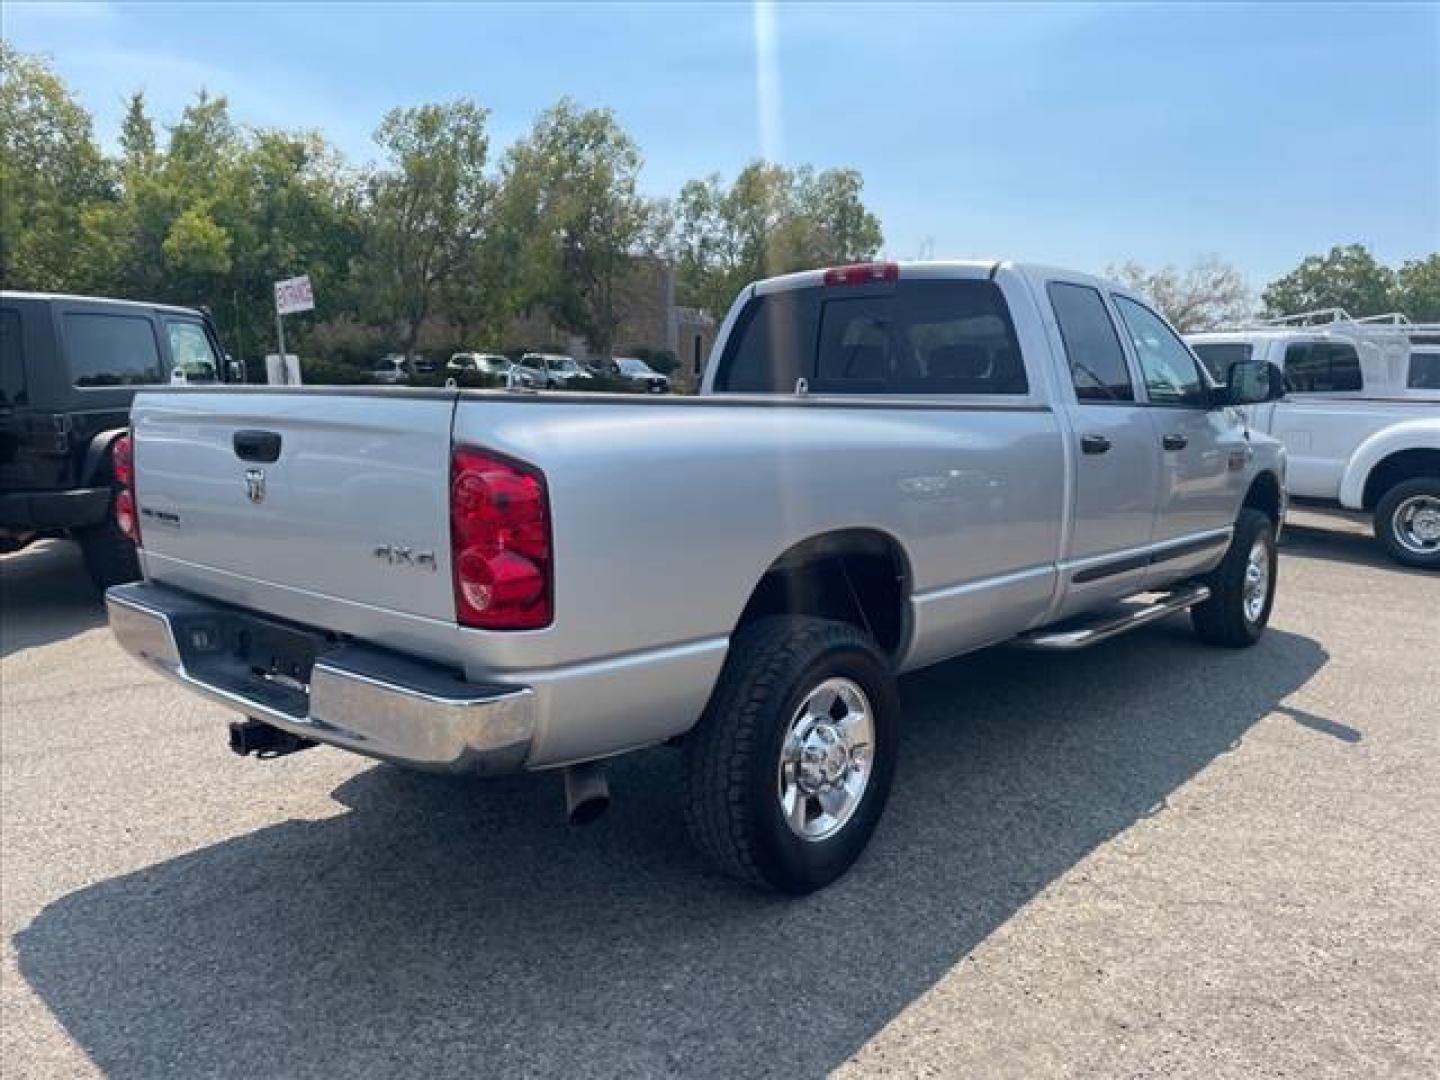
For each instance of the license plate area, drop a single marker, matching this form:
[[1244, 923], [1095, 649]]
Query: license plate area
[[264, 661]]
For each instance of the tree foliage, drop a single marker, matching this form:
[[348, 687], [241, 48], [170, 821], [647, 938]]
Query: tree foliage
[[1348, 277], [574, 219], [52, 176], [427, 209], [771, 220], [1209, 295]]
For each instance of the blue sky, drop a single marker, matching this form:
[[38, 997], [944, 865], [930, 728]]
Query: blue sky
[[1074, 134]]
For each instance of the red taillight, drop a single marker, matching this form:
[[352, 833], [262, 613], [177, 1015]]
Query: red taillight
[[499, 542], [122, 468], [862, 273], [122, 463], [125, 515]]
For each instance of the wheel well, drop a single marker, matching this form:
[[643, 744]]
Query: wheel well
[[1403, 465], [1264, 495], [859, 576]]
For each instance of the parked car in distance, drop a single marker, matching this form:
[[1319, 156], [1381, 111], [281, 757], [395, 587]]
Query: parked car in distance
[[636, 370], [479, 363], [391, 370], [1360, 419], [549, 371], [69, 368], [888, 465]]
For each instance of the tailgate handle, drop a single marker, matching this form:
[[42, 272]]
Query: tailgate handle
[[257, 445]]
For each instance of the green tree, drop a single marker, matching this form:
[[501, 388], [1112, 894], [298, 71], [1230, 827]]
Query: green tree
[[771, 220], [1348, 277], [1417, 289], [1207, 296], [574, 220], [52, 175], [428, 207], [137, 134]]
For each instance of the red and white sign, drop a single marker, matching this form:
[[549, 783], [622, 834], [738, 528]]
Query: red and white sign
[[294, 294]]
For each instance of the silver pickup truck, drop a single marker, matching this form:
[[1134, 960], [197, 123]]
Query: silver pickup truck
[[888, 465]]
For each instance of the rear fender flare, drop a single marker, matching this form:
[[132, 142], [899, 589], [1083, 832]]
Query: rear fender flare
[[95, 469]]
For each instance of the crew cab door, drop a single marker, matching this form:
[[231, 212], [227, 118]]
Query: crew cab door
[[1117, 464], [1203, 449]]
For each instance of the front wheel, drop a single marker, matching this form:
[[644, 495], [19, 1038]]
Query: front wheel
[[790, 766], [1407, 522], [1242, 587]]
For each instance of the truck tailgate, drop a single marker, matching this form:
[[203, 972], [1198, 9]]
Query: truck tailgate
[[339, 494]]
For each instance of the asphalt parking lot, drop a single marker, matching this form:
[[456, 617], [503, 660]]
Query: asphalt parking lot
[[1151, 859]]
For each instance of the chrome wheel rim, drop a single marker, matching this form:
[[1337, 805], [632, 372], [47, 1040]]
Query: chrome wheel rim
[[1257, 580], [1416, 524], [826, 759]]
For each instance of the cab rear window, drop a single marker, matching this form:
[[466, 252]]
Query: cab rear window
[[916, 337], [1424, 371], [1218, 356]]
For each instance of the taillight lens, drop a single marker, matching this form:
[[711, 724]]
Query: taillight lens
[[500, 542], [862, 273], [125, 515], [122, 468], [122, 462]]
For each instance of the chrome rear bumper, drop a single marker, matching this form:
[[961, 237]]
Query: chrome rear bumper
[[371, 701]]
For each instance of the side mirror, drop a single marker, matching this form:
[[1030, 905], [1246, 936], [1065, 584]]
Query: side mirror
[[1252, 382]]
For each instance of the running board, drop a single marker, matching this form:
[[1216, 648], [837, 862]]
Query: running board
[[1085, 631]]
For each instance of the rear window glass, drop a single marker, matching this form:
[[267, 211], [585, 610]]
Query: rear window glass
[[923, 337], [1218, 356], [1424, 371], [1322, 367], [12, 359], [773, 344], [112, 350], [1092, 347]]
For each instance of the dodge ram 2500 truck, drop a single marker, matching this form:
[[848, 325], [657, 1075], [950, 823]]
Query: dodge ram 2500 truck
[[1360, 421], [889, 465]]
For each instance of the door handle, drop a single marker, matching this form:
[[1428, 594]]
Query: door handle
[[1174, 442], [1094, 444], [257, 445]]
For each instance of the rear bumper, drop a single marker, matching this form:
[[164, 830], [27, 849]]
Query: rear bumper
[[371, 701], [38, 510]]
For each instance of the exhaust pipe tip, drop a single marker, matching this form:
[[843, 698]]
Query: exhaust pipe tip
[[587, 792]]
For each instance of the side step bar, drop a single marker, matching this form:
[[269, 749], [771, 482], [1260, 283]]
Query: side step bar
[[1078, 634]]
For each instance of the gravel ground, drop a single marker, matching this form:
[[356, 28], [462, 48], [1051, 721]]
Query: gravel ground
[[1153, 859]]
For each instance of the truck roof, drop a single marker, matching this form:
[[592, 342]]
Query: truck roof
[[916, 269], [9, 294]]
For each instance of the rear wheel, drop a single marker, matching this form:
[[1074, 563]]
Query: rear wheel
[[788, 770], [110, 557], [1242, 587], [1407, 522]]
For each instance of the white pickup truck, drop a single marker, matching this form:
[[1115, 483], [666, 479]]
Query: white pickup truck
[[1361, 419], [888, 466]]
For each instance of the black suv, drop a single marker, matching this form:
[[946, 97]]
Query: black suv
[[69, 368]]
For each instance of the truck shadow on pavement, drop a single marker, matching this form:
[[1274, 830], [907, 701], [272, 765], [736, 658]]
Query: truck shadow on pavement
[[450, 928], [45, 596], [1341, 544]]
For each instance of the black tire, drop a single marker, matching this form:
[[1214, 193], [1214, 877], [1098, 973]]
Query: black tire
[[110, 557], [1387, 528], [732, 757], [1223, 619]]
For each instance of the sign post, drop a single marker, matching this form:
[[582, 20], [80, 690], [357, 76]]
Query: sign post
[[291, 295]]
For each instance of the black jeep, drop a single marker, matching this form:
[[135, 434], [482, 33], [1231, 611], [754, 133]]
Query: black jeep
[[69, 368]]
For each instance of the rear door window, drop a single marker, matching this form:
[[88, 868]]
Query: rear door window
[[1322, 367], [1092, 347], [1172, 377], [12, 358], [112, 350]]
